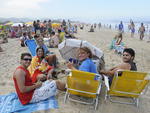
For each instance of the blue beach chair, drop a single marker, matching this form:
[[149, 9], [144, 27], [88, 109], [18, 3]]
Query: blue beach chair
[[31, 44]]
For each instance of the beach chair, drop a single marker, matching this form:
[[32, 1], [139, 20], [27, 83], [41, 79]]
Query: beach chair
[[129, 84], [83, 84], [31, 44]]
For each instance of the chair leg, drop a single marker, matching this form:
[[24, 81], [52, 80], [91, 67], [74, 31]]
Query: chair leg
[[106, 95], [66, 97], [137, 102], [96, 102]]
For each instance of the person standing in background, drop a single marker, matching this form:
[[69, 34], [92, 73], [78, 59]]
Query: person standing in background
[[121, 27], [142, 31]]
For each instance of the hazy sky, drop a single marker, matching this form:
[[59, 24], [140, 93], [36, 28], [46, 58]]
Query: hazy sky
[[87, 9]]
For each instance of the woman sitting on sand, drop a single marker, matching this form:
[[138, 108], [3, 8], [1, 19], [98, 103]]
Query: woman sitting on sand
[[54, 40], [86, 64], [50, 56], [39, 68], [113, 42], [119, 39], [117, 45]]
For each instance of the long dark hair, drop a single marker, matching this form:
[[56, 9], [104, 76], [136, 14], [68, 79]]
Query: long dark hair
[[42, 50]]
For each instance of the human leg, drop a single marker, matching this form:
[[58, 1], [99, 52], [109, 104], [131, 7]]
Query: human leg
[[51, 59], [60, 85], [47, 90]]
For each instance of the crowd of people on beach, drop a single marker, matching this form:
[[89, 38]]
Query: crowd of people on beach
[[29, 76], [132, 28], [50, 32], [35, 80]]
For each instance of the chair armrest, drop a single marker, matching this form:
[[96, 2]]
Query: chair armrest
[[68, 72], [118, 71], [147, 77]]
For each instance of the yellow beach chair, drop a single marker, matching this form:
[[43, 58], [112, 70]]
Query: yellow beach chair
[[127, 84], [83, 84]]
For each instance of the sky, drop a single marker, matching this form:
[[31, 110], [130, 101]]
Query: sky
[[76, 9]]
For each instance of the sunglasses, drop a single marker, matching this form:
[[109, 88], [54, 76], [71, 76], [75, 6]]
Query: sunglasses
[[125, 55], [27, 59]]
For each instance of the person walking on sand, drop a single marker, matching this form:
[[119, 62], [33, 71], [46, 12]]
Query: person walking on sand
[[121, 27], [132, 29], [142, 31]]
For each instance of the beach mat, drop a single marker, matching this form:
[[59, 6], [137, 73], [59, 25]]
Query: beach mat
[[10, 104]]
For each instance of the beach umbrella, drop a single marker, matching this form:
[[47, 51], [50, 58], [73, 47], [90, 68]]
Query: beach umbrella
[[29, 23], [1, 26], [17, 24], [9, 23], [55, 25], [69, 48]]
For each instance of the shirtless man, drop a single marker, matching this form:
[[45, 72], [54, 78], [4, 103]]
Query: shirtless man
[[128, 64], [141, 31]]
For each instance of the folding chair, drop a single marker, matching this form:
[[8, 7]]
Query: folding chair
[[130, 84], [83, 84], [31, 44]]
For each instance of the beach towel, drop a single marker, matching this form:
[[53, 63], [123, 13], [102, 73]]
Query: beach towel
[[10, 104]]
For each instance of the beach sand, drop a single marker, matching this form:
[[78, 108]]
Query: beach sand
[[9, 60]]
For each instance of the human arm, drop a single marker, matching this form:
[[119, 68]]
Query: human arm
[[20, 78], [70, 66], [108, 72], [111, 72], [50, 73]]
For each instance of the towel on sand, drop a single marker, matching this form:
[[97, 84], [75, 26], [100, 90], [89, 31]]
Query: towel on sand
[[11, 104]]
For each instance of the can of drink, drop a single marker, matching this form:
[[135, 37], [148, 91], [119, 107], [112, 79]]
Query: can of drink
[[97, 77]]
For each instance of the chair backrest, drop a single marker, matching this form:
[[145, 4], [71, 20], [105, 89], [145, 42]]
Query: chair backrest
[[128, 83], [31, 44], [84, 82]]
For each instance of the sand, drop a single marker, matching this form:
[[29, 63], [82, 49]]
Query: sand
[[9, 60]]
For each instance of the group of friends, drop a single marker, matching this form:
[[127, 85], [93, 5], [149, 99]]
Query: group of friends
[[34, 81], [34, 78]]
